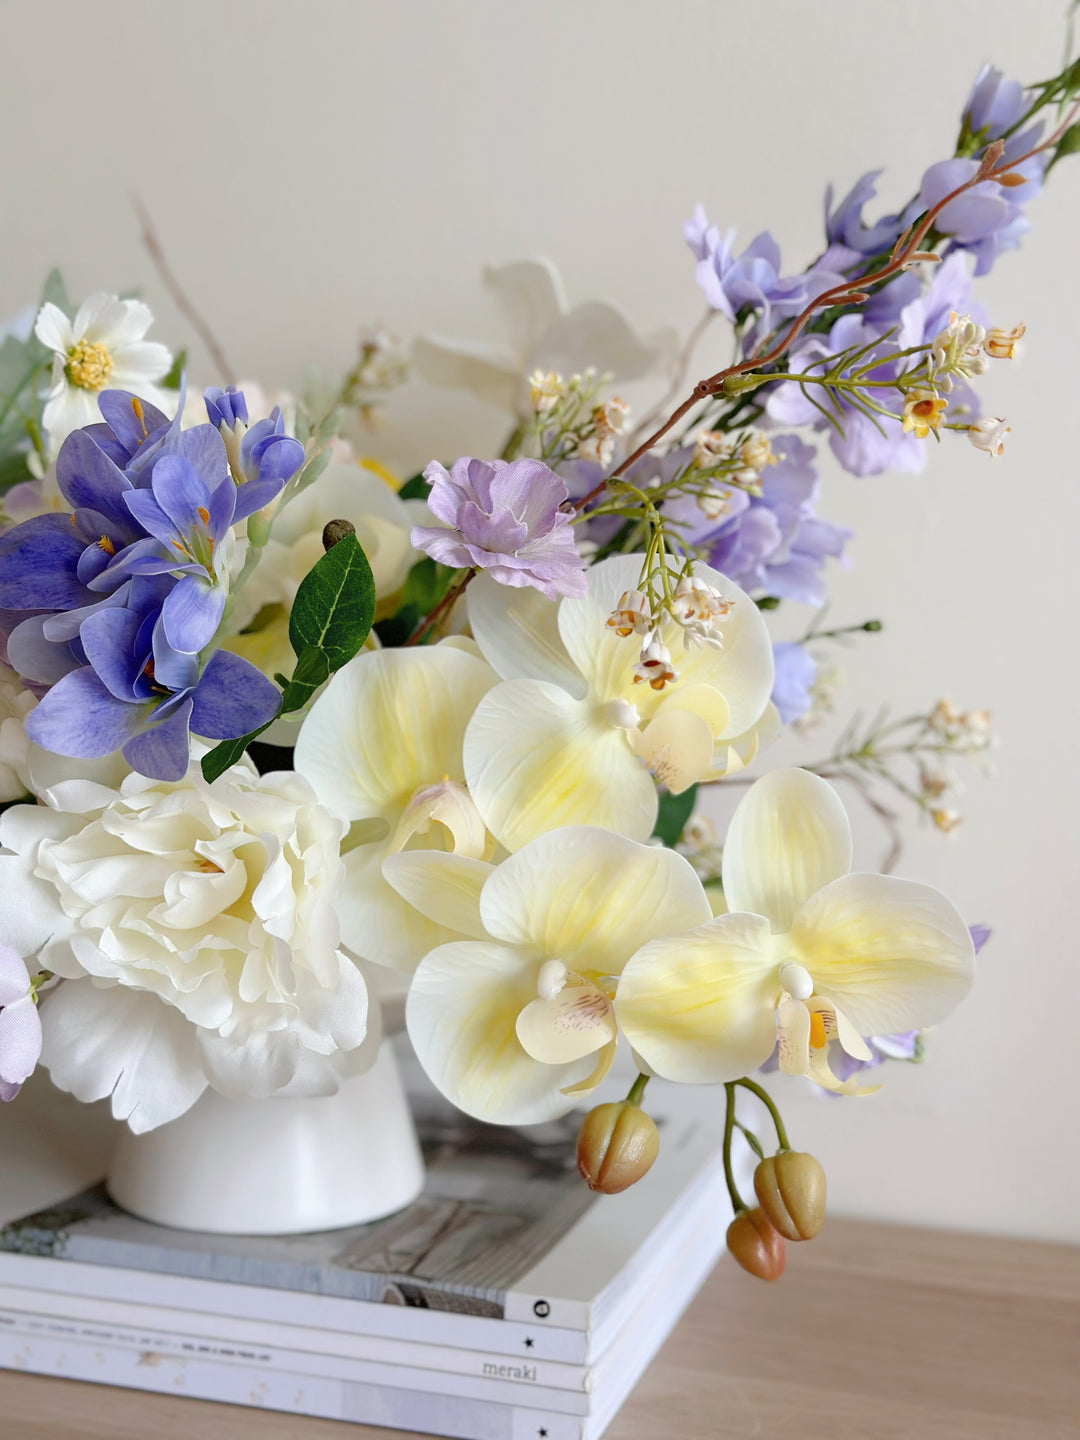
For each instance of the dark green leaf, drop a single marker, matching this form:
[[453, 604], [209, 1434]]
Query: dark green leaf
[[13, 469], [335, 604], [227, 752], [675, 811], [425, 586], [312, 670], [415, 488]]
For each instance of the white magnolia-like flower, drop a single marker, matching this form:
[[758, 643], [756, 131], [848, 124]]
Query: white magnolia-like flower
[[516, 1024], [808, 957], [382, 748], [546, 335], [988, 434], [197, 932], [101, 349], [569, 737]]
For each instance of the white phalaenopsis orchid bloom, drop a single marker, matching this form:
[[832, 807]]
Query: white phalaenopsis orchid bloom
[[808, 956], [573, 737], [516, 1025], [546, 335], [102, 348], [382, 749]]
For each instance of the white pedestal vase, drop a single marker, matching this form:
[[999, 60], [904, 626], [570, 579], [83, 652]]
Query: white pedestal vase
[[277, 1166]]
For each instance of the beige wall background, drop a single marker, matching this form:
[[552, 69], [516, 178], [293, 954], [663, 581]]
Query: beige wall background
[[312, 167]]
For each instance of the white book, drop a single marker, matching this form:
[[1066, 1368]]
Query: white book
[[381, 1394], [505, 1252], [213, 1335]]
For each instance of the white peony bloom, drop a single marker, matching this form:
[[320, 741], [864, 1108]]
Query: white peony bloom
[[547, 335], [196, 928], [101, 349]]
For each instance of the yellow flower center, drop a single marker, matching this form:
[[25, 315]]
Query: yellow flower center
[[89, 365], [817, 1031]]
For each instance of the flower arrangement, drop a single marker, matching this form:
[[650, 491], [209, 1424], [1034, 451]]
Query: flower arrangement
[[275, 722]]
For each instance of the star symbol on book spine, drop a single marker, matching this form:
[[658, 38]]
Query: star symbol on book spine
[[528, 1342], [542, 1433]]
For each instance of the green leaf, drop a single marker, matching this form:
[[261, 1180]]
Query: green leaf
[[216, 761], [674, 812], [55, 292], [425, 586], [175, 375], [312, 670], [415, 488], [335, 605]]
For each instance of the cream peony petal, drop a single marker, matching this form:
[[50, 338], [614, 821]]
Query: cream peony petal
[[891, 954], [377, 923], [536, 759], [110, 1040], [518, 633], [387, 723], [445, 888], [676, 747], [572, 1024], [590, 898], [788, 837], [461, 1016], [700, 1007]]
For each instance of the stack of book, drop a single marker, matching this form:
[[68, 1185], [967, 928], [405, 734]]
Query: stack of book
[[506, 1303]]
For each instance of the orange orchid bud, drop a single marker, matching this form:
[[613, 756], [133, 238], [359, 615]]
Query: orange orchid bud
[[790, 1188], [616, 1145], [756, 1245]]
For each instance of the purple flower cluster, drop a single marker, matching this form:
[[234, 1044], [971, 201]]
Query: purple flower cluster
[[110, 607], [794, 673], [772, 543], [504, 517]]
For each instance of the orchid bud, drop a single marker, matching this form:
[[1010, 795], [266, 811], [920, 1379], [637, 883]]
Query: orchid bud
[[617, 1143], [790, 1188], [756, 1245]]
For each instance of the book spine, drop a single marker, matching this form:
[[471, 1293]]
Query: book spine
[[323, 1312], [299, 1394], [500, 1391], [118, 1321]]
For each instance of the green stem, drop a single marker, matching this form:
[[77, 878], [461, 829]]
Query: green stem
[[767, 1100], [738, 1203], [637, 1090]]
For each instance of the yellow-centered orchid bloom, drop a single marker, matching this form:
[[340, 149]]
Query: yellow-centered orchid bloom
[[808, 957], [381, 747], [514, 1027], [572, 736]]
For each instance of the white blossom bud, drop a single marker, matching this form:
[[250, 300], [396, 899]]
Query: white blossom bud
[[988, 434]]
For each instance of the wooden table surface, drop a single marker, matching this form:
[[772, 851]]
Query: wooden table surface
[[876, 1332]]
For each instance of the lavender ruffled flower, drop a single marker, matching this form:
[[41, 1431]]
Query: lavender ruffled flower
[[20, 1024], [503, 517]]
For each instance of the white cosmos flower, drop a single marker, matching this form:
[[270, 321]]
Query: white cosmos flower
[[101, 349], [197, 932], [569, 738], [546, 335], [382, 749], [810, 955], [515, 1025]]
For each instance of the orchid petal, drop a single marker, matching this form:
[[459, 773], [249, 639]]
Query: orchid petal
[[490, 372], [379, 924], [444, 888], [532, 295], [788, 837], [590, 898], [569, 1026], [535, 759], [677, 748], [387, 723], [20, 1040], [462, 1014], [893, 955], [700, 1007], [518, 633], [597, 334], [603, 1065]]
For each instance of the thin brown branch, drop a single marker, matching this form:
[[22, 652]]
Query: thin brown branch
[[854, 291], [437, 612], [156, 251]]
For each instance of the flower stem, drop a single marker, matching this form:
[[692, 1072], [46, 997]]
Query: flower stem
[[437, 612], [738, 1203], [637, 1090], [767, 1100]]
